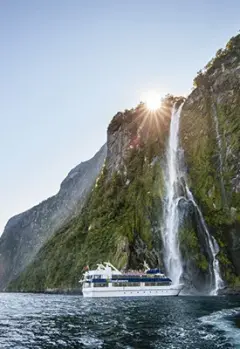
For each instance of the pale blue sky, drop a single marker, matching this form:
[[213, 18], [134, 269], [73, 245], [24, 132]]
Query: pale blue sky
[[67, 66]]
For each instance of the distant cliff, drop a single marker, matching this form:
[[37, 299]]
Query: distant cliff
[[26, 233]]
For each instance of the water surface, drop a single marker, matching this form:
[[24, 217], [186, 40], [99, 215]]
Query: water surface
[[49, 321]]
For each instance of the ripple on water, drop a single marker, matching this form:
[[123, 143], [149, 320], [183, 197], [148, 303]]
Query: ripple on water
[[224, 323], [47, 322]]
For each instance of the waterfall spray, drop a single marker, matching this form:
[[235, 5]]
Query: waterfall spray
[[172, 255], [170, 228], [217, 281]]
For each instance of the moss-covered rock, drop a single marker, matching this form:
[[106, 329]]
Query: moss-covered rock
[[119, 223], [210, 137], [122, 217]]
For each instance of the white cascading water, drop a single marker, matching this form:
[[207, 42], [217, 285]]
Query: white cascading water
[[172, 254], [220, 148], [170, 227], [217, 281]]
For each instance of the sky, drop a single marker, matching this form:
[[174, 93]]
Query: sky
[[68, 66]]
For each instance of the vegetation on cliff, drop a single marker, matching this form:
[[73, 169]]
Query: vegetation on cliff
[[119, 221], [223, 59], [210, 134]]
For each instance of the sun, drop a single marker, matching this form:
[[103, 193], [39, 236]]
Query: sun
[[152, 100]]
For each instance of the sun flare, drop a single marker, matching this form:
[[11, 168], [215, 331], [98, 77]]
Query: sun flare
[[152, 100]]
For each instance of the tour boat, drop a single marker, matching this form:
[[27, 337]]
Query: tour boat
[[107, 281]]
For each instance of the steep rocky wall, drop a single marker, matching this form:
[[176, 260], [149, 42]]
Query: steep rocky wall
[[210, 137], [120, 219], [26, 233]]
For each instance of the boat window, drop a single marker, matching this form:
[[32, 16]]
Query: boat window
[[100, 285], [120, 284], [156, 283], [133, 284]]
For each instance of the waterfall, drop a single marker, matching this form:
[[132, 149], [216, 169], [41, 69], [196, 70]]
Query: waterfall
[[170, 226], [220, 148], [217, 281]]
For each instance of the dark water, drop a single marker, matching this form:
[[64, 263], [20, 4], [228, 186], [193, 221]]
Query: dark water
[[47, 321]]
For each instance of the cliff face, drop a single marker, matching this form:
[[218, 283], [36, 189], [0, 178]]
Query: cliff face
[[120, 219], [26, 233], [210, 137]]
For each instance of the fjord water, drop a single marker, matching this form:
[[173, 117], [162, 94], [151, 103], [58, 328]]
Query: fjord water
[[56, 321]]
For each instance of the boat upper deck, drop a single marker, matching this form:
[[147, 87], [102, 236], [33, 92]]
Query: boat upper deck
[[105, 274]]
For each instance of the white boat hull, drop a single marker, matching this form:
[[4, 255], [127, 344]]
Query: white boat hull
[[94, 292]]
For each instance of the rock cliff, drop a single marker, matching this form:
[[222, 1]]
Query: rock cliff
[[26, 233], [122, 218], [210, 137]]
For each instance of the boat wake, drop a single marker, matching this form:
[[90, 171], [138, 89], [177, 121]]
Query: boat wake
[[224, 321]]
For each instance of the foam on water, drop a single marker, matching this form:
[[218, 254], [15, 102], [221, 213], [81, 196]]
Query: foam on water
[[91, 342], [222, 321], [76, 322]]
